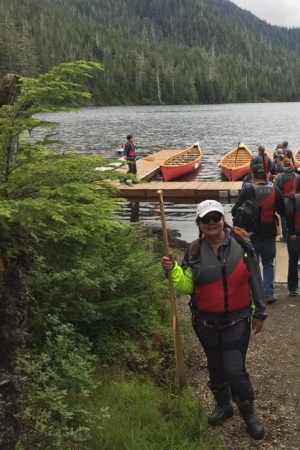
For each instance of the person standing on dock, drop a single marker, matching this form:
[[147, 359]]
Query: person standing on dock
[[270, 200], [130, 155], [287, 152], [284, 181], [220, 271], [277, 165], [262, 158], [277, 151]]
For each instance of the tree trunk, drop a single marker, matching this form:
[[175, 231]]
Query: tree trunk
[[10, 88], [13, 307]]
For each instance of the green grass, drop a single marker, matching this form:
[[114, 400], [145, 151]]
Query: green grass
[[137, 415]]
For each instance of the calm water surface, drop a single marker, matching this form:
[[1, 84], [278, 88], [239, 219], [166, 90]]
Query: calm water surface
[[218, 128]]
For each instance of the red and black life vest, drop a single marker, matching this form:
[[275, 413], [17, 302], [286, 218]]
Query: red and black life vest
[[131, 151], [265, 197], [266, 164], [222, 286], [288, 179]]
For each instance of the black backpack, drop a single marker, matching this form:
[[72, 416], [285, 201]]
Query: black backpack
[[247, 216]]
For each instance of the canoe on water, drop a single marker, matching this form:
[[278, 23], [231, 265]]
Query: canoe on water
[[236, 163], [183, 162]]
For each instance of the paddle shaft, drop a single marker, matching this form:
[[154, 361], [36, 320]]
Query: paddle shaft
[[236, 155], [178, 347]]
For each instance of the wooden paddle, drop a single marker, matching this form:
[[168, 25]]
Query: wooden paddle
[[178, 348], [237, 151]]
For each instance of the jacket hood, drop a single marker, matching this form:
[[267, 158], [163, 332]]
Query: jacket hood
[[288, 169]]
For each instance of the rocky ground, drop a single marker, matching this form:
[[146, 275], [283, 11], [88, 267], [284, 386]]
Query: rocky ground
[[274, 365]]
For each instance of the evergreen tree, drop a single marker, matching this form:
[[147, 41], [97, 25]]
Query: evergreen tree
[[139, 43]]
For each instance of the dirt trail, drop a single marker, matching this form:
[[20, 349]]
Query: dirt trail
[[274, 366]]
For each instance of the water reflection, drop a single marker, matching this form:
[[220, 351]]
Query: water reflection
[[134, 210]]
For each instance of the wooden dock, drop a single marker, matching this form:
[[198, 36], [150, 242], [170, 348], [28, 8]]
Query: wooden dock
[[180, 192], [148, 168], [174, 191]]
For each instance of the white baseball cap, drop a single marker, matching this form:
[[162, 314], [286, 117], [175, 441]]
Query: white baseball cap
[[208, 206]]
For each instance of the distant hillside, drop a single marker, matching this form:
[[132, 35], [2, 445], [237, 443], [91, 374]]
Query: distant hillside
[[158, 51]]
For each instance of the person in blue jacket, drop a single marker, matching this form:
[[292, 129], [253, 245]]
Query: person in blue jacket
[[221, 274]]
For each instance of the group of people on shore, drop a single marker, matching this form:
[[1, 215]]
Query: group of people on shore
[[220, 271], [275, 185]]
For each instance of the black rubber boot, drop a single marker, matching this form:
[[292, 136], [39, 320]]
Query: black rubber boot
[[223, 409], [220, 414], [254, 425]]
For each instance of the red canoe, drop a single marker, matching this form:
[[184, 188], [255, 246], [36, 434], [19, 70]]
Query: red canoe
[[236, 163], [183, 162]]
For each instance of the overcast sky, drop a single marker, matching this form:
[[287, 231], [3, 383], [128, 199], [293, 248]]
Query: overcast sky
[[285, 13]]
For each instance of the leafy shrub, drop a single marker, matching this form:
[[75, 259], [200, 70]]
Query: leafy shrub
[[117, 297], [56, 384]]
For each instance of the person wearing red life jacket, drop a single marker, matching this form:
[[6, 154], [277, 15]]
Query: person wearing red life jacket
[[283, 149], [293, 237], [270, 200], [130, 155], [262, 158], [284, 181], [277, 165], [221, 273], [287, 152]]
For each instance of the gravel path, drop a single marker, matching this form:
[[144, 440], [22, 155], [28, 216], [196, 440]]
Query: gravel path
[[274, 366]]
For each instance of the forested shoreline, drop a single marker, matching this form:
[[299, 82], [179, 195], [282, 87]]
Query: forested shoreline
[[161, 52]]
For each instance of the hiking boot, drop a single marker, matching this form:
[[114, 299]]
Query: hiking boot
[[294, 293], [220, 414], [270, 299], [254, 425], [223, 405]]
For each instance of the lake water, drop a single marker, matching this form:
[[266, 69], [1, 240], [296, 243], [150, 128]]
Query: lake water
[[218, 128]]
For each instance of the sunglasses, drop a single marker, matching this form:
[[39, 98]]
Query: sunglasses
[[216, 217]]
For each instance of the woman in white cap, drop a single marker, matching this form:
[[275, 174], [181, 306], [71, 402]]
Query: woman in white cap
[[221, 273]]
